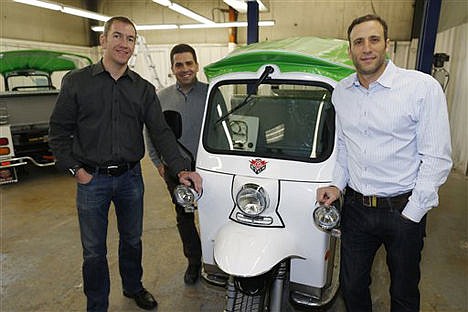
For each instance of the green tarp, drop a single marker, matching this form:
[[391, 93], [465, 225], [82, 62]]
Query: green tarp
[[325, 57], [41, 60]]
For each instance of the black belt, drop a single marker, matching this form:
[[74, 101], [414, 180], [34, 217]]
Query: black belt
[[377, 201], [111, 170]]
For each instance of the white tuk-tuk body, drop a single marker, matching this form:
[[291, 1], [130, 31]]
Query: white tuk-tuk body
[[278, 135]]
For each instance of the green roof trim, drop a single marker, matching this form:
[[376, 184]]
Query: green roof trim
[[325, 57], [41, 60]]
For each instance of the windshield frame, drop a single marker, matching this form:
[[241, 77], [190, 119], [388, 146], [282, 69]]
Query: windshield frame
[[210, 120]]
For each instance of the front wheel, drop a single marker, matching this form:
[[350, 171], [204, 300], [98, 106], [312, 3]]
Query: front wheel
[[240, 301], [267, 292]]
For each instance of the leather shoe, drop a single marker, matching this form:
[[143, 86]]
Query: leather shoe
[[144, 299], [192, 273]]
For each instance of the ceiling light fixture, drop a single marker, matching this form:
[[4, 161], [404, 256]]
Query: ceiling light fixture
[[42, 4], [65, 9], [157, 27], [142, 27], [184, 11], [84, 13], [206, 23], [225, 25], [241, 5]]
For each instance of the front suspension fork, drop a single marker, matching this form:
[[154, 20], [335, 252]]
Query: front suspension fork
[[277, 287]]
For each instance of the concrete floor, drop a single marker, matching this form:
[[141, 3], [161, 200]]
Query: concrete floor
[[40, 251]]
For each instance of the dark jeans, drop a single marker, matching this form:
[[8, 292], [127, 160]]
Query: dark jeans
[[93, 202], [186, 226], [364, 230]]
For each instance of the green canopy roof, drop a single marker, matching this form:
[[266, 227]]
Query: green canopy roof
[[325, 57], [41, 60]]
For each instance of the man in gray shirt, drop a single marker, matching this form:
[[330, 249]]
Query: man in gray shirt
[[187, 97]]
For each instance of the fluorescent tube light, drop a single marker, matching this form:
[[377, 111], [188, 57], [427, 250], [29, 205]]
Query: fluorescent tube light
[[142, 27], [224, 25], [163, 2], [65, 9], [180, 9], [241, 5], [42, 4], [206, 23], [84, 13], [184, 11], [156, 27]]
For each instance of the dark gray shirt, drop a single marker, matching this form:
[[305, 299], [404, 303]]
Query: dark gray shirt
[[99, 121], [191, 107]]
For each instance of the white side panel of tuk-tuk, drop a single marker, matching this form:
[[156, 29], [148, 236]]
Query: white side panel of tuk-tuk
[[214, 208], [298, 201]]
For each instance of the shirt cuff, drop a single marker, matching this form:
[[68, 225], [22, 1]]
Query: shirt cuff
[[413, 212]]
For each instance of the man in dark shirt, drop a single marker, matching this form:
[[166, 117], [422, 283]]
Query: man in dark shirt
[[96, 132]]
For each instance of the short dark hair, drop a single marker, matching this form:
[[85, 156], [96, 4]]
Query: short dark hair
[[181, 48], [122, 19], [366, 18]]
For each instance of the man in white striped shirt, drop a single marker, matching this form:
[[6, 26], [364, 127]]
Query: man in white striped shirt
[[394, 152]]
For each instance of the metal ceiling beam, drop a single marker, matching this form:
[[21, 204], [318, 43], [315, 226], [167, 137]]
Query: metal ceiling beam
[[252, 21]]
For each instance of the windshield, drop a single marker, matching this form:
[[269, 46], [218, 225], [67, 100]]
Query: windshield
[[280, 119], [29, 82]]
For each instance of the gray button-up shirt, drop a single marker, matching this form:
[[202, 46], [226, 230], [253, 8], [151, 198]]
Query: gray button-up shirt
[[191, 107]]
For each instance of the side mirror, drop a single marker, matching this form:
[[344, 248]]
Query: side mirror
[[174, 120]]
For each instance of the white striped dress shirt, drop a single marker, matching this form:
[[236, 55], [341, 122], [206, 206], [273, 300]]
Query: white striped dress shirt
[[393, 137]]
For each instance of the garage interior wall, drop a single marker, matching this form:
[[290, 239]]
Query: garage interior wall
[[26, 27]]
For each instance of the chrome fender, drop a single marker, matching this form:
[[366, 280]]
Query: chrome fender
[[246, 251]]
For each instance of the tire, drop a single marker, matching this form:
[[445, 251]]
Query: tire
[[239, 301], [251, 303]]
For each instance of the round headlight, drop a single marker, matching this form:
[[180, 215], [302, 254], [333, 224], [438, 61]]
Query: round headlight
[[252, 199], [186, 197], [326, 217]]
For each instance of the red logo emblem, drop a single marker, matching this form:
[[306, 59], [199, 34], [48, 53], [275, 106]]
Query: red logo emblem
[[257, 165]]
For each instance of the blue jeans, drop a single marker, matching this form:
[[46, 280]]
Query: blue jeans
[[93, 202], [364, 230]]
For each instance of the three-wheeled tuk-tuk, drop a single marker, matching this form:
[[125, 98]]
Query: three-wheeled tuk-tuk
[[268, 142]]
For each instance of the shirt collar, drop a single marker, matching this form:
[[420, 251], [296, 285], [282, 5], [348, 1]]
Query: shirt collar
[[98, 68], [384, 80], [387, 77], [194, 86]]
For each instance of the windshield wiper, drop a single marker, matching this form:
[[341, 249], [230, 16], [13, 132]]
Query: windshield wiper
[[268, 70]]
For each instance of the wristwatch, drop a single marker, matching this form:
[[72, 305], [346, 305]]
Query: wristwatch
[[73, 170]]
